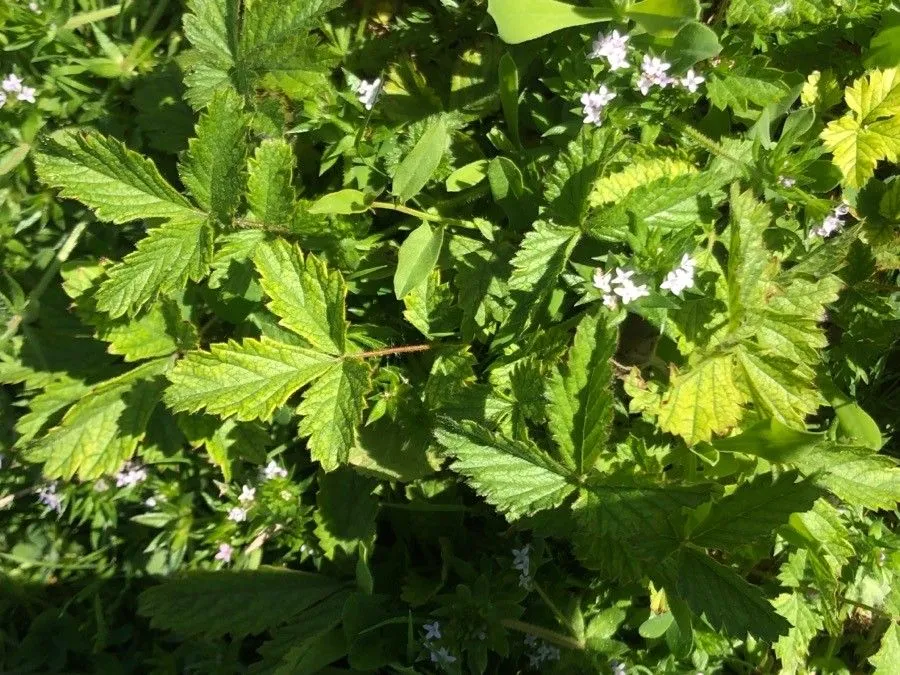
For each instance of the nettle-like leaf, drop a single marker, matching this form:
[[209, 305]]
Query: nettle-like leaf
[[162, 263], [270, 192], [871, 132], [247, 380], [211, 26], [117, 183], [346, 511], [580, 411], [212, 168], [102, 430], [308, 298], [239, 603]]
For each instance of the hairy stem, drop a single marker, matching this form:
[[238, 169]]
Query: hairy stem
[[403, 349], [543, 633], [408, 211]]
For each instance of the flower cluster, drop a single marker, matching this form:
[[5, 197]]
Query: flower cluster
[[681, 277], [522, 563], [130, 474], [369, 92], [619, 287], [272, 470], [833, 222], [48, 496], [13, 85], [654, 73], [442, 655], [541, 652]]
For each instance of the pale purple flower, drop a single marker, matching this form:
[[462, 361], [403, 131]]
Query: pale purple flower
[[11, 84], [833, 222], [594, 102], [224, 553], [442, 655], [432, 631], [691, 81], [27, 94], [653, 73], [369, 92], [248, 494], [272, 470], [522, 558], [612, 47], [130, 474], [237, 514], [48, 496]]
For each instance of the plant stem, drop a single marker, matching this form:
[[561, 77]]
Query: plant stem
[[375, 353], [407, 210], [83, 18], [543, 633], [145, 31], [553, 608]]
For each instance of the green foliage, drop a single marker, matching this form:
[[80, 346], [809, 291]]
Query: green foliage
[[414, 349]]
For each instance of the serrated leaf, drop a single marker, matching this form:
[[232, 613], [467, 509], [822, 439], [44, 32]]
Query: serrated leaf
[[777, 386], [102, 430], [580, 411], [270, 191], [307, 297], [332, 411], [416, 169], [162, 263], [211, 26], [888, 655], [158, 332], [614, 187], [345, 512], [514, 476], [754, 510], [727, 601], [737, 90], [212, 168], [239, 603], [117, 183], [762, 14], [429, 306], [702, 400], [416, 258], [247, 380], [748, 259], [805, 622], [226, 441], [45, 406]]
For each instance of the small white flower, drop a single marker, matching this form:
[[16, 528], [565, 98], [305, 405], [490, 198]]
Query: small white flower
[[623, 277], [653, 72], [691, 81], [12, 84], [101, 485], [781, 8], [786, 182], [618, 668], [524, 580], [27, 94], [594, 102], [833, 222], [48, 497], [151, 502], [272, 470], [237, 514], [369, 92], [34, 7], [548, 653], [842, 210], [681, 277], [631, 293], [612, 47], [522, 558], [432, 631], [224, 553], [130, 474], [610, 301], [442, 655], [603, 280], [248, 494]]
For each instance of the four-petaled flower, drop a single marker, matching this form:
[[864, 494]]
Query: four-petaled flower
[[691, 81], [681, 277], [248, 494], [786, 182], [27, 94], [224, 553], [612, 47], [369, 92], [626, 289], [272, 470], [594, 102], [237, 514], [432, 631]]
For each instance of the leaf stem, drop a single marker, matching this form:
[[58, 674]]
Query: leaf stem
[[556, 611], [375, 353], [408, 211], [543, 633], [83, 18]]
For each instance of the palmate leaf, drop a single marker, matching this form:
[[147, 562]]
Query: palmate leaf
[[269, 187], [239, 603], [727, 601], [754, 510], [308, 298], [103, 428], [515, 476], [248, 380], [212, 168], [117, 183], [580, 412], [162, 263], [332, 410]]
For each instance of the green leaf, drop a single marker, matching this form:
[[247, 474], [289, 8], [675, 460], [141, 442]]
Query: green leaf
[[702, 400], [45, 405], [727, 601], [663, 18], [515, 476], [102, 430], [162, 263], [737, 89], [244, 602], [345, 512], [341, 202], [211, 27], [777, 386], [521, 20], [212, 168], [158, 332], [308, 298], [806, 622], [429, 307], [226, 441], [332, 410], [754, 510], [749, 262], [416, 258], [884, 48], [575, 172], [416, 169], [695, 42], [270, 190], [467, 176], [117, 183], [509, 94], [580, 393], [888, 655], [248, 380]]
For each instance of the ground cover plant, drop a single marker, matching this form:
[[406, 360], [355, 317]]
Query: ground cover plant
[[449, 336]]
